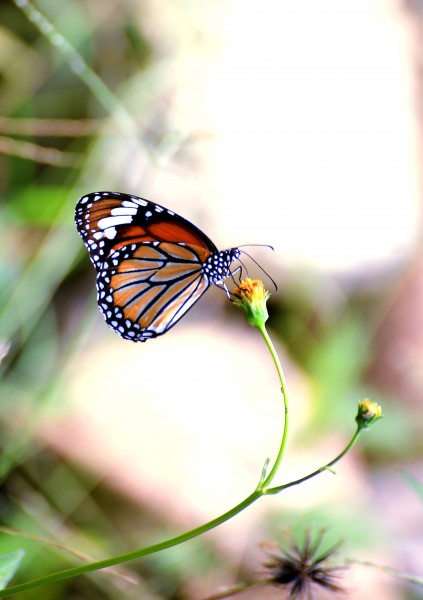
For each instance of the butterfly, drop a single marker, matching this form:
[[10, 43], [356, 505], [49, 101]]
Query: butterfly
[[152, 265]]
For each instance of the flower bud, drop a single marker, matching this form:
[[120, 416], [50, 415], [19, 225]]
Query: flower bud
[[251, 298], [368, 412]]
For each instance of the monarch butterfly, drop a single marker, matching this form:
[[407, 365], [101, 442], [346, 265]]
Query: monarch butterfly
[[152, 265]]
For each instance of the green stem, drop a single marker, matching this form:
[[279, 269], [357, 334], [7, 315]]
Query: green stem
[[264, 484], [116, 560], [279, 488], [261, 490], [123, 558]]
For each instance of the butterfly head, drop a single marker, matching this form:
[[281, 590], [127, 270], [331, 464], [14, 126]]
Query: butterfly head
[[218, 265]]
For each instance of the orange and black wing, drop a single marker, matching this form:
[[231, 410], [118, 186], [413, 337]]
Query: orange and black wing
[[144, 289], [107, 221], [152, 265]]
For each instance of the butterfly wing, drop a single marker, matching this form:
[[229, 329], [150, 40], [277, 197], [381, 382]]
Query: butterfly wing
[[107, 221], [148, 260], [144, 289]]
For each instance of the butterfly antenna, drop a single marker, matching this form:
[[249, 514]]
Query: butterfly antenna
[[256, 246], [256, 263]]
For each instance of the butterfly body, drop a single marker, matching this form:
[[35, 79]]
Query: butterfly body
[[152, 265]]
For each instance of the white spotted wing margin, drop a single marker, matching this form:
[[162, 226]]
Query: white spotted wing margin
[[108, 220], [152, 265], [143, 290]]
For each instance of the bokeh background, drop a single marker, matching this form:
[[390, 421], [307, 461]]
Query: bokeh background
[[295, 124]]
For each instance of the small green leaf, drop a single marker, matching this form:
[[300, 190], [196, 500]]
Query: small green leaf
[[9, 564]]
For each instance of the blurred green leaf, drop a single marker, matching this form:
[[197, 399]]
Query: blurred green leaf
[[38, 205], [9, 564], [335, 363]]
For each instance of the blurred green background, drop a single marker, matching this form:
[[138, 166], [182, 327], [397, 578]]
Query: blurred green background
[[294, 126]]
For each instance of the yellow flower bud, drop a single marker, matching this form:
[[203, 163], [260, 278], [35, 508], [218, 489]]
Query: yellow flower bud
[[368, 413], [251, 297]]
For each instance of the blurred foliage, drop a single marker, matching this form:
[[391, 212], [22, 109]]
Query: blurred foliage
[[8, 565], [56, 133]]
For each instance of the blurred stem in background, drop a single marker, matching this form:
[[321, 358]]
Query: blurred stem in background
[[81, 69]]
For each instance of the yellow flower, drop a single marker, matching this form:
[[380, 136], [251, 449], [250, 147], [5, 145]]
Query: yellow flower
[[251, 297], [368, 412]]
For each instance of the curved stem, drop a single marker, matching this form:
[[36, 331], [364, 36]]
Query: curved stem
[[264, 484], [116, 560], [261, 490], [279, 488], [122, 558]]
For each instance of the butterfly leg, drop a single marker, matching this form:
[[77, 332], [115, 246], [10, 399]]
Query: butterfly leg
[[238, 270]]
